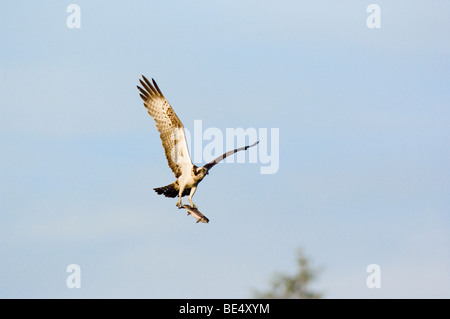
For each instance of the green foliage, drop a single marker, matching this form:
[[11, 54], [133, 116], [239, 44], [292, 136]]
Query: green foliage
[[294, 286]]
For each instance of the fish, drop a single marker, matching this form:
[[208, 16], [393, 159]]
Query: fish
[[194, 212]]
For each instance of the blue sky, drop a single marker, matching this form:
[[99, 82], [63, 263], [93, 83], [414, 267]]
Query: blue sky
[[363, 116]]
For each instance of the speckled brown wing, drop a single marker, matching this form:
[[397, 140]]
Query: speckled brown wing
[[169, 126]]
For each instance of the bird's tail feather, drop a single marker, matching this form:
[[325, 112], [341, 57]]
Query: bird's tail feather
[[171, 190]]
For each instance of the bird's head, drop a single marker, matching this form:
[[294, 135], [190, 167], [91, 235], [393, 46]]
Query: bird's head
[[201, 172]]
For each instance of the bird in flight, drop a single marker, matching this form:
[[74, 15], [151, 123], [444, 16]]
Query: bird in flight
[[173, 140]]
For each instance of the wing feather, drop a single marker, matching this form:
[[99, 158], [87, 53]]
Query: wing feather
[[169, 126], [223, 156]]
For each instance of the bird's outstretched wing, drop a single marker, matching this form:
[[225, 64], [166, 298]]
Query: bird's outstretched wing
[[169, 126], [223, 156]]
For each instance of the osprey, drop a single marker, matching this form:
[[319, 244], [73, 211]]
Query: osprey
[[175, 147]]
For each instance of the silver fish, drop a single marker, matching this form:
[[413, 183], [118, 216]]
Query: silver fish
[[194, 212]]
